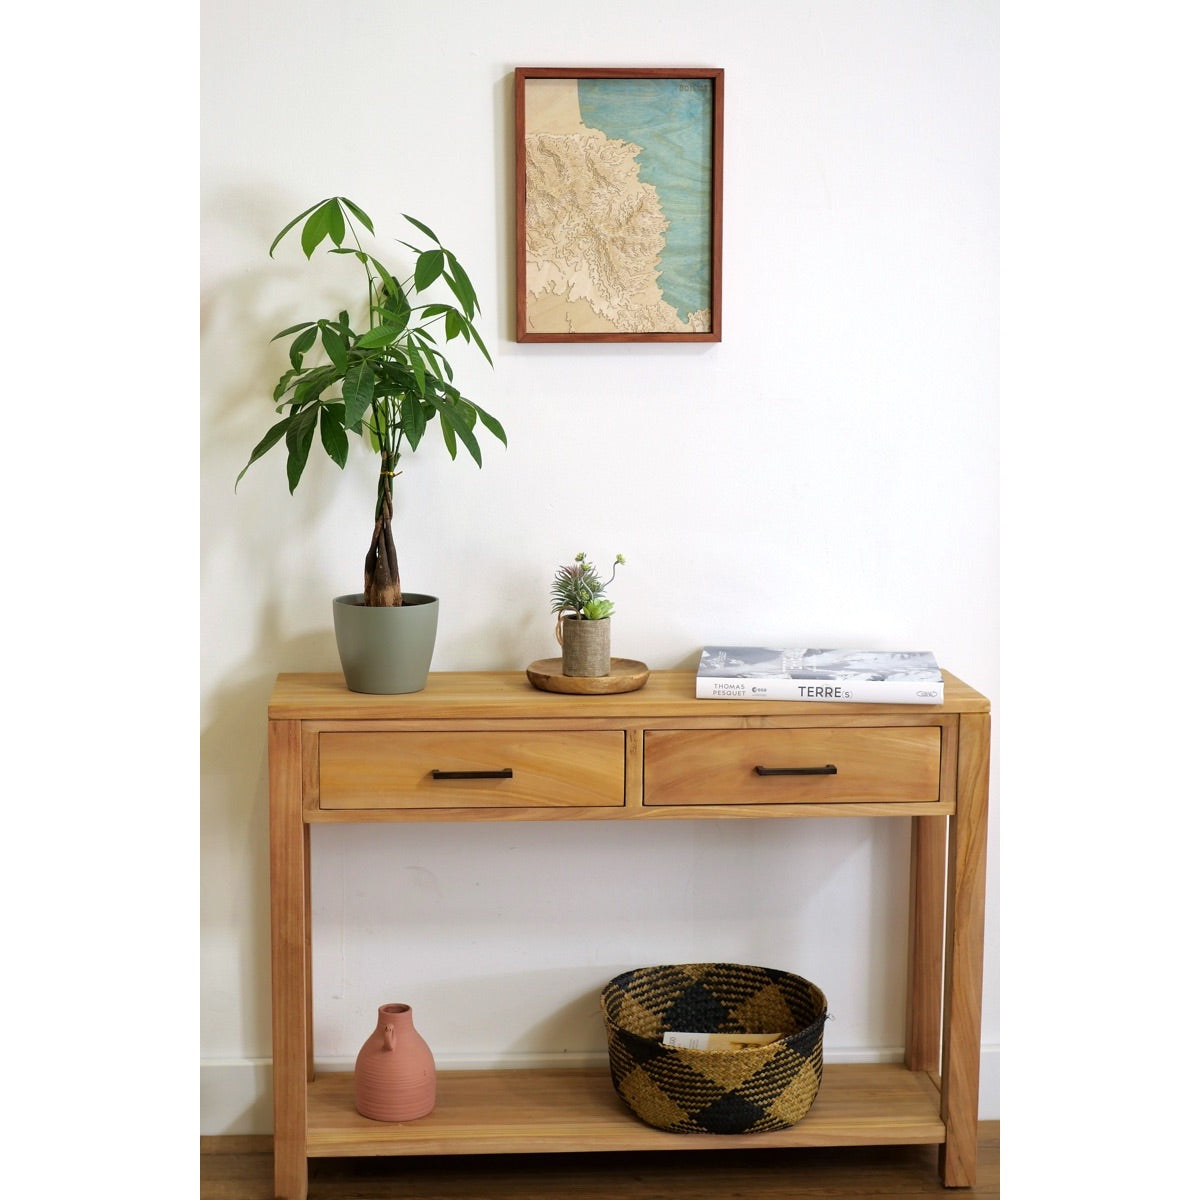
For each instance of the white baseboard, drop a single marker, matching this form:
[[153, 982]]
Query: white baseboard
[[235, 1095]]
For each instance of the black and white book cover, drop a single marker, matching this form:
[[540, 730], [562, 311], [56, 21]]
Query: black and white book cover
[[846, 676]]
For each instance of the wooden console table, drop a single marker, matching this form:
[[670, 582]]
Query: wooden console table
[[650, 755]]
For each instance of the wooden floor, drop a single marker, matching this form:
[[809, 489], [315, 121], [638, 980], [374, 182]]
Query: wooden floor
[[240, 1168]]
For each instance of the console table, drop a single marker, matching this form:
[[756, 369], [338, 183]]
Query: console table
[[490, 747]]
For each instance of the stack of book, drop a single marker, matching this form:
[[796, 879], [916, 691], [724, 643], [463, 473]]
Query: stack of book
[[838, 676]]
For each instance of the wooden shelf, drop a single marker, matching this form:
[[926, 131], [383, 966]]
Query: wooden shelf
[[549, 1111]]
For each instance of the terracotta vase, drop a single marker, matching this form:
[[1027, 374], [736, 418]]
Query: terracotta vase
[[394, 1075]]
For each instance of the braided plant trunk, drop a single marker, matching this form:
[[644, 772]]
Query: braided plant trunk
[[381, 573]]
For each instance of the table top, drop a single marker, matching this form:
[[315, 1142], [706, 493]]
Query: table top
[[491, 694]]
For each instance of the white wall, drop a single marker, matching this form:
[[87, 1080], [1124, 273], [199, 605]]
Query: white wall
[[825, 475]]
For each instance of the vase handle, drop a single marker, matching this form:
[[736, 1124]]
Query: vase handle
[[389, 1037]]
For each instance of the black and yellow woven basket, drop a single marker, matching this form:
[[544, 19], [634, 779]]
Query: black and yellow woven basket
[[749, 1090]]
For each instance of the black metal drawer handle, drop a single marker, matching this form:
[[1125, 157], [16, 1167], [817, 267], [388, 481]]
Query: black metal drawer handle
[[503, 773], [827, 769]]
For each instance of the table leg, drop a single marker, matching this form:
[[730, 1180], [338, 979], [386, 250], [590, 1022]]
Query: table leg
[[289, 960], [964, 955], [922, 1048]]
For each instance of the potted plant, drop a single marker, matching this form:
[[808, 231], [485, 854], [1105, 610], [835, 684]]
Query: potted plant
[[578, 597], [388, 384]]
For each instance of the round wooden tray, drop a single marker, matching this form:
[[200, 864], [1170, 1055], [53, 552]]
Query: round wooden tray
[[624, 675]]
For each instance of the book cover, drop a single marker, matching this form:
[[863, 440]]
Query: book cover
[[838, 676]]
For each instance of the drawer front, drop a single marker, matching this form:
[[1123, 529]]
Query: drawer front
[[792, 766], [406, 770]]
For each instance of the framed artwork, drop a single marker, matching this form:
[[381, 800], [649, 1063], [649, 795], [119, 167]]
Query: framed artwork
[[618, 206]]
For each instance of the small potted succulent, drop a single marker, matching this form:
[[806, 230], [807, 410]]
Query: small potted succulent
[[578, 598], [387, 384]]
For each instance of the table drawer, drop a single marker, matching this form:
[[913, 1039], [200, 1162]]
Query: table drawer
[[406, 770], [792, 766]]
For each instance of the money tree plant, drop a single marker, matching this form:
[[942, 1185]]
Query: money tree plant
[[387, 383]]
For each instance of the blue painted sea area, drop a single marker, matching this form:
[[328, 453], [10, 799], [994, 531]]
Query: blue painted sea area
[[671, 119]]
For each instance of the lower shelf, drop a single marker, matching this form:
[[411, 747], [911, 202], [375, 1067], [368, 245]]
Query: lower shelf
[[546, 1111]]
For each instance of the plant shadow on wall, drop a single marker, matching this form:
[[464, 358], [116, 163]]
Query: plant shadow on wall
[[234, 892], [254, 564], [387, 384], [237, 319]]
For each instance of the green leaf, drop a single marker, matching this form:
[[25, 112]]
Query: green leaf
[[299, 441], [448, 436], [393, 307], [391, 319], [454, 325], [469, 440], [479, 342], [272, 436], [333, 432], [392, 374], [358, 212], [301, 346], [292, 329], [312, 383], [334, 342], [285, 382], [418, 367], [293, 222], [358, 390], [390, 285], [413, 420], [492, 425], [429, 268], [433, 356], [381, 335], [598, 610], [325, 222], [343, 325], [460, 284], [460, 420], [423, 228], [337, 225]]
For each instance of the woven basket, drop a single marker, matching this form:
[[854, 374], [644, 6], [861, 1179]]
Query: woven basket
[[750, 1090]]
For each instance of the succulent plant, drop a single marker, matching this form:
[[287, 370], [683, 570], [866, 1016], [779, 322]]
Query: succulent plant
[[578, 590]]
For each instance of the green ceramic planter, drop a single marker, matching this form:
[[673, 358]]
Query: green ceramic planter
[[385, 651]]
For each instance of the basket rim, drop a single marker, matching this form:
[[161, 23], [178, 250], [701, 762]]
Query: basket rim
[[715, 963], [613, 1028]]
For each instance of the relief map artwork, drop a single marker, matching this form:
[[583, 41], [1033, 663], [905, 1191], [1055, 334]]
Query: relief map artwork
[[618, 196]]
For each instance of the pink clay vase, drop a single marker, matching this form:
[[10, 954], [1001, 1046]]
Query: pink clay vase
[[394, 1076]]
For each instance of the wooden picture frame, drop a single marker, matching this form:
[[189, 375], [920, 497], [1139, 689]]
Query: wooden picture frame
[[619, 203]]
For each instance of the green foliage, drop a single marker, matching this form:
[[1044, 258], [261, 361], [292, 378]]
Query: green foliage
[[391, 381], [578, 590], [597, 610]]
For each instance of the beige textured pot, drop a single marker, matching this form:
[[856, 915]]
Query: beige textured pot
[[585, 646]]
